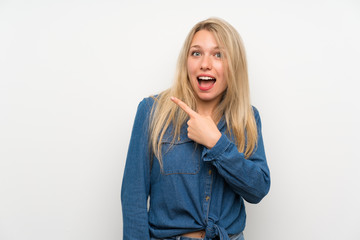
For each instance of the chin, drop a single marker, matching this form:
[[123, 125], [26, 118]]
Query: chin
[[206, 97]]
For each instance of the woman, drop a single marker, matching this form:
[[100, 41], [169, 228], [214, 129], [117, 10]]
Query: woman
[[197, 158]]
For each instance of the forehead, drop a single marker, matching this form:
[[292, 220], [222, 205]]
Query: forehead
[[204, 39]]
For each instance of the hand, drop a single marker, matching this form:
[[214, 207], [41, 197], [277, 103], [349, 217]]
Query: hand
[[201, 129]]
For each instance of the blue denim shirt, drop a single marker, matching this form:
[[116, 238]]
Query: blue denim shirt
[[198, 189]]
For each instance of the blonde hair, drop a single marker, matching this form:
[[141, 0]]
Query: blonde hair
[[235, 104]]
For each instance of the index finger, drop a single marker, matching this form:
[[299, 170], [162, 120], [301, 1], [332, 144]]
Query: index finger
[[184, 107]]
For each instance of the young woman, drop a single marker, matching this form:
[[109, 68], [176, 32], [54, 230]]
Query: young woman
[[196, 150]]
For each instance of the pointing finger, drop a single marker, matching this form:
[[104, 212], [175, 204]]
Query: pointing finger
[[184, 107]]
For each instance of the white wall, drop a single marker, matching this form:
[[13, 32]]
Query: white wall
[[73, 72]]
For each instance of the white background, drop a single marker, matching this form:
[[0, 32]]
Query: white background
[[73, 72]]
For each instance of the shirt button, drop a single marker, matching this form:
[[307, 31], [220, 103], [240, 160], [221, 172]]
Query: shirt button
[[207, 198], [209, 172]]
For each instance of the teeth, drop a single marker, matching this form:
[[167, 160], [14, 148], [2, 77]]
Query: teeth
[[206, 78]]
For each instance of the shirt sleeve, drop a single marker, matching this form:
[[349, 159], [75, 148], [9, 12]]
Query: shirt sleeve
[[250, 177], [136, 180]]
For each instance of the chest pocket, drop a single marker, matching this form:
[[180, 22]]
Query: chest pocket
[[181, 157]]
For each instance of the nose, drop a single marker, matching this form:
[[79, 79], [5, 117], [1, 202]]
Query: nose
[[206, 63]]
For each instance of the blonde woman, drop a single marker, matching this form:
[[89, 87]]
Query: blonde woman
[[196, 150]]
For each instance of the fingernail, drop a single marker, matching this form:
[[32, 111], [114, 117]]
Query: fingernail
[[172, 98]]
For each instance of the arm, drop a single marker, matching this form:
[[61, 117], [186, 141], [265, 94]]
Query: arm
[[250, 178], [136, 180]]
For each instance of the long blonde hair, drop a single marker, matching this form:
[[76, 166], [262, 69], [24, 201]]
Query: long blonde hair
[[235, 104]]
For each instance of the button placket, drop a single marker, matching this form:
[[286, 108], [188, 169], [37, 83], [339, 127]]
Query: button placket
[[207, 193]]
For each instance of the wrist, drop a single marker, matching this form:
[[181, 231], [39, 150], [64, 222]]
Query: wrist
[[214, 140]]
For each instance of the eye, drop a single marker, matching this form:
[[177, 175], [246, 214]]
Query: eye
[[195, 54], [218, 55]]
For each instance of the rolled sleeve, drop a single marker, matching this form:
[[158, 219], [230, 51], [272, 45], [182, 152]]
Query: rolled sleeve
[[215, 153]]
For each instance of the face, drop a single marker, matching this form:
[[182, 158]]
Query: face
[[206, 67]]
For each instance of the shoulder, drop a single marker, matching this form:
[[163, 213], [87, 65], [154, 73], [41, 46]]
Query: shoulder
[[143, 112], [257, 116], [147, 103], [255, 112]]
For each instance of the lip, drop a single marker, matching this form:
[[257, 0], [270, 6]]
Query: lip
[[207, 87], [206, 75]]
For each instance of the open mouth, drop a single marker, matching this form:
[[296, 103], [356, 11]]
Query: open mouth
[[205, 83]]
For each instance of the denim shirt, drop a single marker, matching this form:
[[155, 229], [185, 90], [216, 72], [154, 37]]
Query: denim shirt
[[197, 189]]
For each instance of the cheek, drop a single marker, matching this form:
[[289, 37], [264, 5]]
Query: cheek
[[190, 73], [190, 67], [222, 69], [221, 72]]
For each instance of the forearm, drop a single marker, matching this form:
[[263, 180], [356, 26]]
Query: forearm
[[250, 178], [134, 210]]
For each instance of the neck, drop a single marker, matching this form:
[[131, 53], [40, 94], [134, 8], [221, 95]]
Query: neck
[[207, 108]]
